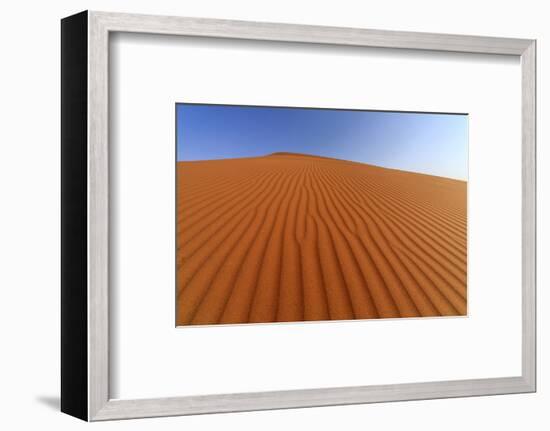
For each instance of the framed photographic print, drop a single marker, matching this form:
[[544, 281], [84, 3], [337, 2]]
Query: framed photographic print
[[260, 216], [298, 234]]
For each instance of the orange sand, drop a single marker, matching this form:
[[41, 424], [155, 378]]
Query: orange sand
[[291, 237]]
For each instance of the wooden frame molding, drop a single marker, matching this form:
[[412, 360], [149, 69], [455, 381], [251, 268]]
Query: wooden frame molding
[[85, 215]]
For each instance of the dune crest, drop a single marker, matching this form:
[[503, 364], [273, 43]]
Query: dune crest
[[297, 237]]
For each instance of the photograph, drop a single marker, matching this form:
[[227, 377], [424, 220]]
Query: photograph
[[292, 214]]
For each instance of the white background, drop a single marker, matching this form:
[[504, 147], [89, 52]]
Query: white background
[[29, 170], [151, 358]]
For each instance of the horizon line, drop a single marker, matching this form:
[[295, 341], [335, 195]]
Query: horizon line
[[289, 153]]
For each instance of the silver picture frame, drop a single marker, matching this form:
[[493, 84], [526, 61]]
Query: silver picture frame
[[85, 215]]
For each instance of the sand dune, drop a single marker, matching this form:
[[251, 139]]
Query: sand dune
[[293, 237]]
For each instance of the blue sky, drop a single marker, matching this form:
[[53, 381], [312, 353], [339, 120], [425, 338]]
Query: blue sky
[[435, 144]]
